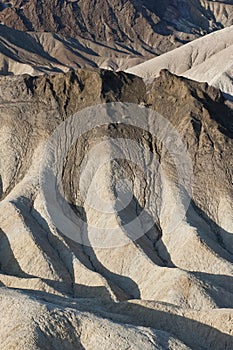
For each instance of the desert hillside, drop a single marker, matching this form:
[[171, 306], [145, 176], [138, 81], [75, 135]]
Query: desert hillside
[[116, 174], [207, 59], [155, 26], [38, 53], [170, 288]]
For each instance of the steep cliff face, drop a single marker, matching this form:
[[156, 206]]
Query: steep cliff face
[[180, 276], [154, 26]]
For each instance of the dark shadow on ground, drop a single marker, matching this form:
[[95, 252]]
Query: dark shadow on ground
[[8, 263], [221, 290], [126, 284], [124, 287], [218, 239], [150, 240]]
